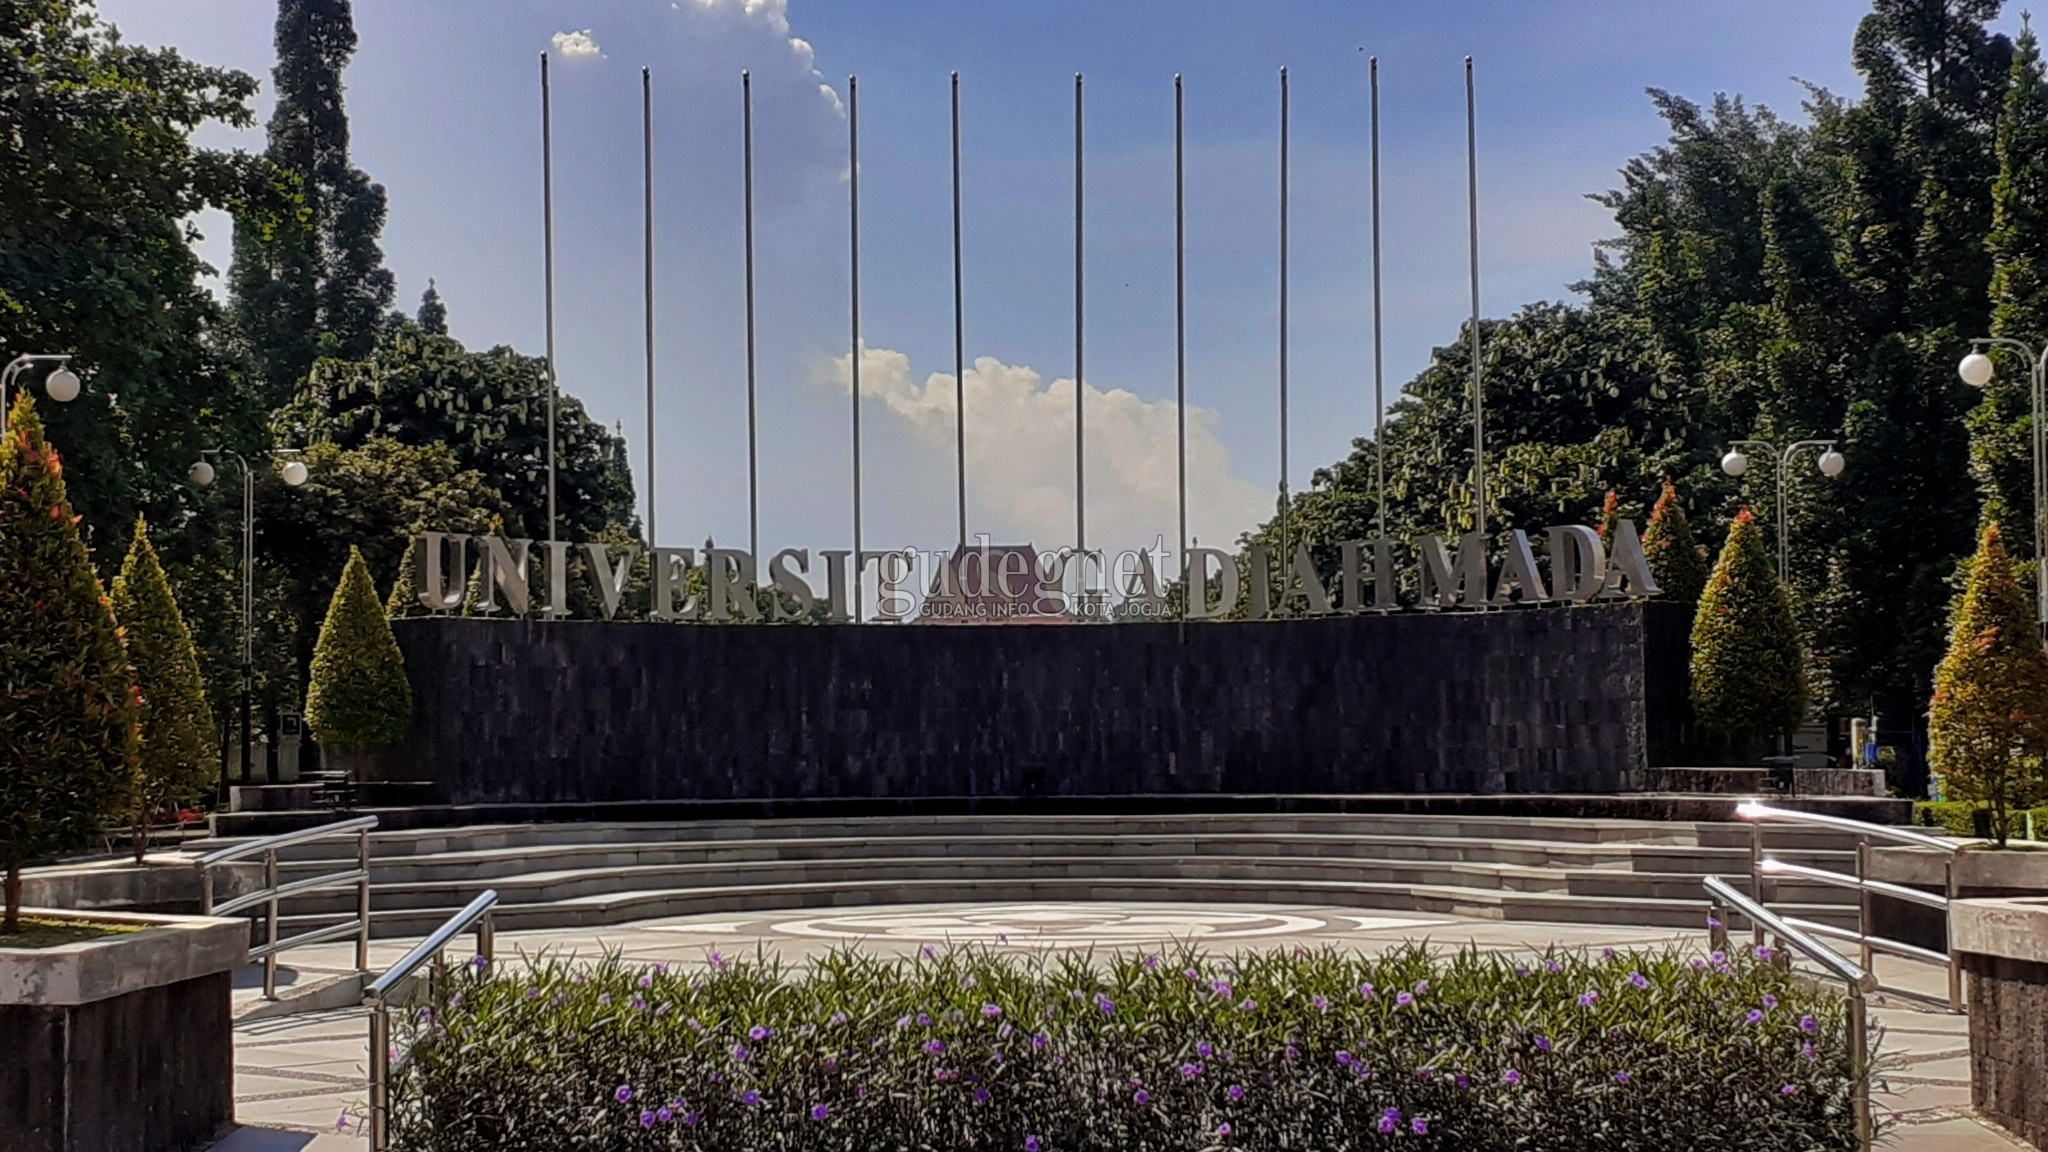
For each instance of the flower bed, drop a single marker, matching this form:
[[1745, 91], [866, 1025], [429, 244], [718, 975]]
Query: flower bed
[[964, 1049]]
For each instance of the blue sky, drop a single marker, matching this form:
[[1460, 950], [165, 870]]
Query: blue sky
[[444, 105]]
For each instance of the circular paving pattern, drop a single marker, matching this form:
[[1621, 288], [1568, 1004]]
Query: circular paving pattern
[[1063, 925]]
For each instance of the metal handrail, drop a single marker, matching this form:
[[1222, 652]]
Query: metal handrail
[[272, 892], [1762, 867], [377, 998], [1858, 978]]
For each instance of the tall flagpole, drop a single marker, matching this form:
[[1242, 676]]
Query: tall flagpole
[[1180, 330], [1379, 379], [1285, 551], [647, 183], [853, 236], [1478, 390], [959, 328], [1080, 388], [753, 403], [547, 209]]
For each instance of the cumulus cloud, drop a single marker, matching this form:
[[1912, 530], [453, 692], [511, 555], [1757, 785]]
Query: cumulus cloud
[[1020, 454], [576, 45], [772, 15]]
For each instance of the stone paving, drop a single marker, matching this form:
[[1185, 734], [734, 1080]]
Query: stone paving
[[299, 1079]]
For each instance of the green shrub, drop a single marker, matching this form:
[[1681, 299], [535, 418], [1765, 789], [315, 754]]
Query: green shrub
[[177, 758], [964, 1049], [1676, 559], [67, 724], [1748, 673], [1959, 817], [359, 696]]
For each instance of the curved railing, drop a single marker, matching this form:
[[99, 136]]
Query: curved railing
[[1763, 869], [378, 997], [272, 892]]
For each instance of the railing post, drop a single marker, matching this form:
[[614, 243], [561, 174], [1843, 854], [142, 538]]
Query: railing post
[[380, 1075], [363, 900], [486, 939], [1859, 1067], [1756, 876], [1717, 926], [1948, 936], [270, 925], [205, 890], [1863, 928]]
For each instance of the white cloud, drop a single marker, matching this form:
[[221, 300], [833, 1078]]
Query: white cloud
[[575, 45], [1020, 454]]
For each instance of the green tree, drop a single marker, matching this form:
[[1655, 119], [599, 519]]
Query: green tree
[[1747, 674], [1675, 557], [67, 703], [1988, 726], [176, 758], [404, 600], [433, 313], [312, 283], [359, 696]]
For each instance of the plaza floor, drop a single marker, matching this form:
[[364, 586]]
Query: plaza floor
[[299, 1079]]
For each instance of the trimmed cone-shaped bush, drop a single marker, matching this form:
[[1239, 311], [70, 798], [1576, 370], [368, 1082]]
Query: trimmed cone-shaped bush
[[67, 704], [177, 756], [1987, 729], [1748, 674], [1675, 557], [359, 696], [404, 600]]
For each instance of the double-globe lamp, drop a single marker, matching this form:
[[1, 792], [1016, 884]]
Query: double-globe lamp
[[1831, 463], [201, 474]]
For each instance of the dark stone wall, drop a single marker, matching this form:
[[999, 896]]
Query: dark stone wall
[[1536, 700], [149, 1071], [2009, 1043]]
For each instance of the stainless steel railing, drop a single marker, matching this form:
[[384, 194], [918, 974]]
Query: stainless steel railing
[[272, 892], [379, 997], [1763, 869], [1856, 977]]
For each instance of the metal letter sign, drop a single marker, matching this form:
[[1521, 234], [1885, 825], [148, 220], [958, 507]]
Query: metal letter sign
[[724, 588]]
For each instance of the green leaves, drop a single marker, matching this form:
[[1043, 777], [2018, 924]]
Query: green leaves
[[359, 696], [178, 757], [1748, 673]]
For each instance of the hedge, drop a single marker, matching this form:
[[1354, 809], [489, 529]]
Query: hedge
[[969, 1049]]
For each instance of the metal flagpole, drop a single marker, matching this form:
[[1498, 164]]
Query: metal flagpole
[[753, 401], [1285, 551], [647, 182], [1080, 391], [547, 209], [1180, 332], [959, 328], [853, 234], [1379, 385], [1478, 388]]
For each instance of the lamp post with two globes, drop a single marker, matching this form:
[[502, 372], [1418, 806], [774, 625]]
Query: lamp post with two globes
[[1977, 370], [201, 474], [1831, 463], [61, 385]]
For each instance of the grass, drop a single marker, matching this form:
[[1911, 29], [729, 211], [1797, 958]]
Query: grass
[[46, 932]]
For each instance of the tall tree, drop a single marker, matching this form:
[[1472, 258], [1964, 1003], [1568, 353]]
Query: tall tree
[[1988, 729], [177, 756], [359, 696], [433, 314], [312, 282], [1747, 675], [67, 705], [1674, 556]]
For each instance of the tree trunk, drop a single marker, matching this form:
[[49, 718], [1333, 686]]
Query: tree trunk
[[12, 921]]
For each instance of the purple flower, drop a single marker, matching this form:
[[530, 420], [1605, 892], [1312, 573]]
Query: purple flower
[[1103, 1002], [1366, 990], [1712, 922], [1235, 1092], [1032, 1144], [1718, 957], [981, 1096], [1808, 1024], [1806, 1050], [991, 1011], [1621, 1078], [1344, 1057], [860, 1092], [903, 1022], [1190, 1071], [1588, 999], [690, 1119], [923, 1021], [934, 1046], [1607, 953], [1219, 988], [819, 1111], [1461, 1081], [1204, 1049], [645, 981], [1191, 974], [664, 1114], [1390, 1120], [1754, 1016], [1321, 1004], [739, 1052], [1223, 1129], [1521, 969], [751, 1099], [716, 960], [1152, 962], [1249, 1005], [604, 998], [1040, 1040], [1639, 980], [1552, 966], [1404, 999], [1420, 1126], [839, 1018], [1421, 986], [341, 1122], [1512, 1077], [647, 1119], [1790, 1089], [1770, 1001], [759, 1032], [1142, 1096], [624, 1093], [1763, 953], [928, 953]]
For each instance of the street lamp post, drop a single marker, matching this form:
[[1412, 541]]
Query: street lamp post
[[61, 385], [1976, 370], [1735, 463], [201, 474]]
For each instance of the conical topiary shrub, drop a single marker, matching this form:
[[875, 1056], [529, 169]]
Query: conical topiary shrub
[[1987, 729], [67, 704], [177, 756], [404, 600], [1675, 557], [359, 697], [1748, 673]]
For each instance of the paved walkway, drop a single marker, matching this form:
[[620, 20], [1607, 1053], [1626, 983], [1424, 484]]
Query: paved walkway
[[299, 1079]]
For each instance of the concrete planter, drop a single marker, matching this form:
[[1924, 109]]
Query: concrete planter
[[121, 1044], [2005, 951]]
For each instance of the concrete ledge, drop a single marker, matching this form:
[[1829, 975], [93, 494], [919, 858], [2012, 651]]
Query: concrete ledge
[[321, 995], [169, 950], [2014, 929]]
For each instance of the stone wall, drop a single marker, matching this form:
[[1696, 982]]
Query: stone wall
[[2008, 1001], [1535, 700]]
